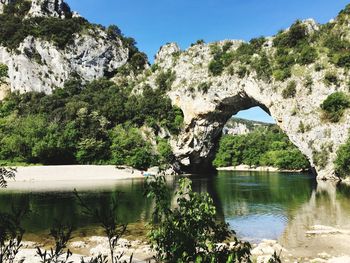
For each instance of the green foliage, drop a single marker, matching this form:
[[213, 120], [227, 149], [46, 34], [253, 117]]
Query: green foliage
[[204, 87], [59, 31], [128, 147], [290, 91], [165, 151], [216, 67], [84, 124], [335, 105], [320, 158], [266, 146], [3, 72], [338, 50], [342, 162], [164, 80], [262, 67], [296, 34], [5, 174], [198, 42], [222, 58], [242, 71], [331, 78], [190, 232], [307, 55]]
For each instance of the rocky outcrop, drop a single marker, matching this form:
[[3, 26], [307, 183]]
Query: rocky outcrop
[[45, 8], [237, 126], [39, 65], [208, 98], [208, 101]]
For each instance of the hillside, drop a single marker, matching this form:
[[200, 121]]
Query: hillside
[[87, 93], [238, 126]]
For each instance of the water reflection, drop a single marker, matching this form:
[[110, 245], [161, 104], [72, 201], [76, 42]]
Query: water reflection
[[257, 205], [328, 206]]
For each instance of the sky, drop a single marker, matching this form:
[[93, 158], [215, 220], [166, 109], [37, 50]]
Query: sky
[[154, 23]]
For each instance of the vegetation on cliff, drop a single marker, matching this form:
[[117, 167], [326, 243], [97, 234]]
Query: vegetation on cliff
[[15, 27], [93, 123], [264, 146]]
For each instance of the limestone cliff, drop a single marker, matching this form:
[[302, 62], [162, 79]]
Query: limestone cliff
[[39, 64], [215, 81], [289, 76]]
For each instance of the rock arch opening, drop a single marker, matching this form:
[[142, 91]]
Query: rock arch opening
[[209, 129]]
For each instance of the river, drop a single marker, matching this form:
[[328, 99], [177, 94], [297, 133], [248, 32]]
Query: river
[[257, 205]]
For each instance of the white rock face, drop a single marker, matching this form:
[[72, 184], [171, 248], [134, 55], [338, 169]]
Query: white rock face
[[54, 8], [38, 65], [41, 66], [206, 112]]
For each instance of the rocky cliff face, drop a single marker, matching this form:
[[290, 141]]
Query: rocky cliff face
[[288, 76], [208, 98], [39, 65], [237, 126]]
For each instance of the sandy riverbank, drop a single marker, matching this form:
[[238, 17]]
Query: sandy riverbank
[[247, 168], [71, 176]]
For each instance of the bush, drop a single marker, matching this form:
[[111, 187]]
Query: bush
[[3, 71], [164, 80], [295, 35], [307, 55], [290, 91], [330, 78], [335, 105], [216, 67], [204, 87], [190, 232], [262, 67], [342, 162], [128, 147]]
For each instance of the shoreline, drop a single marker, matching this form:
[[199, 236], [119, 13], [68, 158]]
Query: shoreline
[[68, 177], [247, 168]]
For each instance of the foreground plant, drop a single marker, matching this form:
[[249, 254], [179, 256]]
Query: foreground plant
[[106, 215], [11, 232], [61, 234], [6, 173], [190, 232]]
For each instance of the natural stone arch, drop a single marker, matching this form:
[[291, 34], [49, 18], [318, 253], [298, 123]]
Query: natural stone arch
[[207, 109]]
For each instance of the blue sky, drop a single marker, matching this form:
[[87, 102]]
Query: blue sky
[[155, 22]]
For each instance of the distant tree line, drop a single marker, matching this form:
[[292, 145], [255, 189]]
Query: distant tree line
[[265, 146]]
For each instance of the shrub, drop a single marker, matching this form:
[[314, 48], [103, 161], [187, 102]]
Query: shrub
[[198, 42], [330, 78], [262, 67], [165, 79], [204, 87], [307, 55], [242, 71], [189, 232], [282, 74], [320, 158], [342, 162], [290, 91], [3, 72], [308, 83], [335, 105], [291, 38], [216, 67]]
